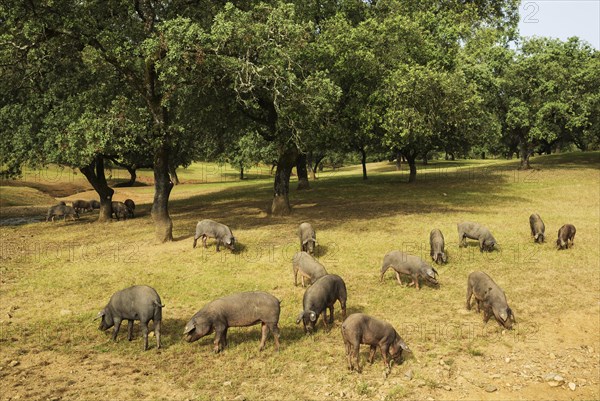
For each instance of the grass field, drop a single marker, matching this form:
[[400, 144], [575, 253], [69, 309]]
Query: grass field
[[55, 277]]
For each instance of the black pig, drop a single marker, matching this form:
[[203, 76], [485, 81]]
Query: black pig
[[237, 310], [139, 302]]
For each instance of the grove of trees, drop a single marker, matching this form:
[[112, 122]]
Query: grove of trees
[[159, 84]]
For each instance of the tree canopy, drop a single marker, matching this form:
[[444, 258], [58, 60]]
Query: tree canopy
[[163, 83]]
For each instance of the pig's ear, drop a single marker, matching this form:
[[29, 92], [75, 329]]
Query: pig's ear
[[511, 315], [312, 316], [300, 316], [189, 327], [100, 314]]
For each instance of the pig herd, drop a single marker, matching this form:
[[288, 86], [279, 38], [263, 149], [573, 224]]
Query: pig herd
[[120, 210], [250, 308]]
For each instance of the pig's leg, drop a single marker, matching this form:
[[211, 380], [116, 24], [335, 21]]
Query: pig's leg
[[469, 295], [324, 316], [117, 327], [398, 278], [145, 333], [486, 315], [331, 314], [204, 240], [372, 353], [343, 305], [263, 338], [275, 330], [302, 278], [348, 347], [415, 282], [218, 244], [356, 355], [130, 330], [220, 338], [384, 353], [195, 241], [157, 333]]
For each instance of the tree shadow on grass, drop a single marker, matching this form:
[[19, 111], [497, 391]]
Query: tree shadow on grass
[[171, 331], [344, 198]]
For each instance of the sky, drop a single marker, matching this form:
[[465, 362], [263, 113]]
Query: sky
[[561, 19]]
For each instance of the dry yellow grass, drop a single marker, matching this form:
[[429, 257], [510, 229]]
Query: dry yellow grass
[[55, 277]]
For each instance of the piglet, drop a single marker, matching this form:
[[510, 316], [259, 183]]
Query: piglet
[[359, 328], [139, 302]]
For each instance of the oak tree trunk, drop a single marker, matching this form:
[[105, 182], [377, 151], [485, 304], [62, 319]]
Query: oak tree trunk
[[525, 154], [363, 160], [302, 172], [411, 159], [285, 163], [94, 172], [173, 175], [162, 189], [317, 165]]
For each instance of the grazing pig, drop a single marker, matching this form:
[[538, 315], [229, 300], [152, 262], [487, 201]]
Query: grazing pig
[[139, 302], [82, 206], [415, 267], [121, 211], [537, 228], [308, 267], [308, 238], [320, 296], [95, 204], [212, 229], [476, 231], [565, 234], [490, 298], [130, 204], [436, 242], [359, 328], [237, 310], [61, 210]]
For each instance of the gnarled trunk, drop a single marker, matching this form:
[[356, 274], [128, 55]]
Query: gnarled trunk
[[398, 161], [525, 154], [411, 159], [173, 174], [363, 161], [94, 172], [281, 200], [302, 172], [162, 189], [316, 165]]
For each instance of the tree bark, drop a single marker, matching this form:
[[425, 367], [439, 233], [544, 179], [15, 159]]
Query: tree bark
[[162, 189], [317, 166], [285, 163], [363, 161], [241, 172], [132, 176], [173, 175], [411, 159], [94, 172], [525, 154], [398, 161], [302, 172]]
